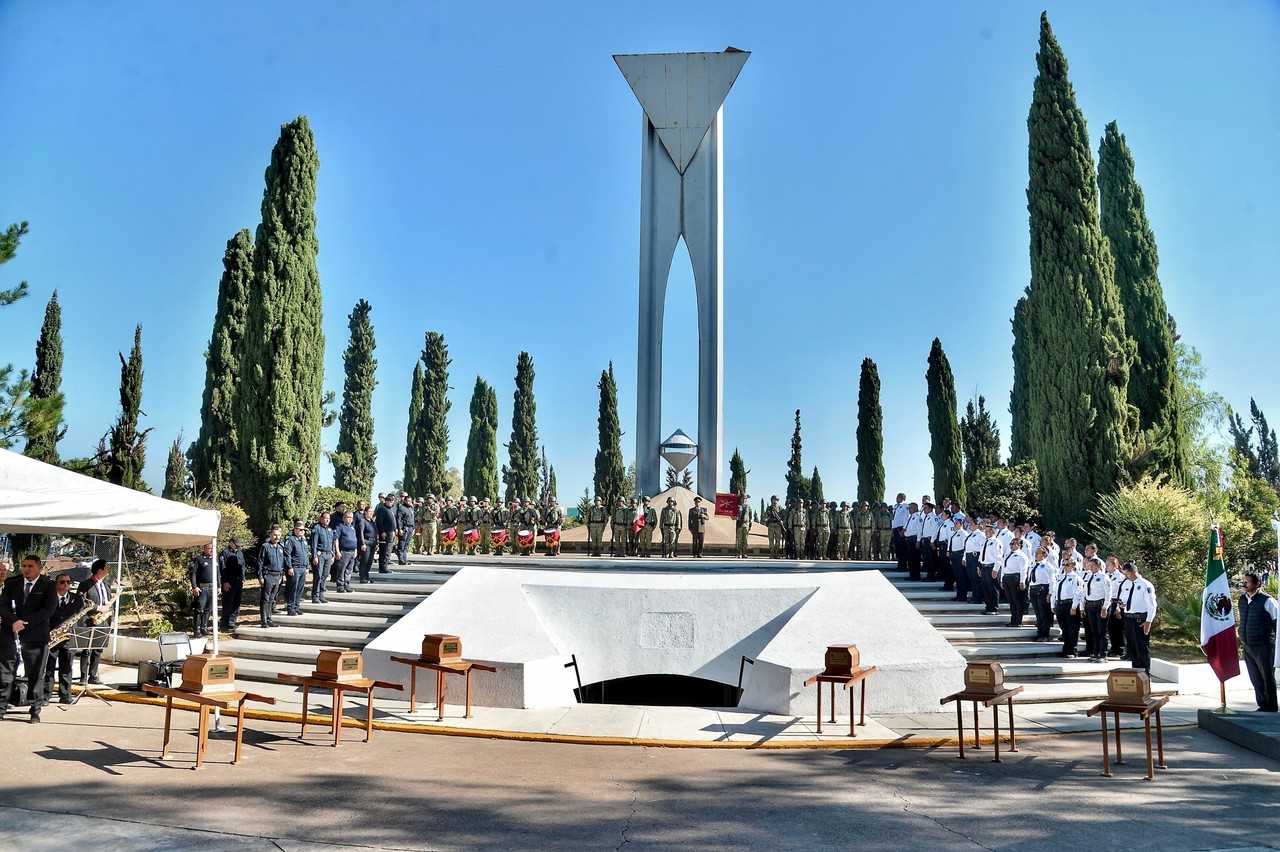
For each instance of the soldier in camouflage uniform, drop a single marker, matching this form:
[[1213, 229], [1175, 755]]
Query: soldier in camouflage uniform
[[743, 523], [528, 517], [484, 525], [501, 521], [645, 546], [671, 523], [633, 535], [448, 517], [775, 519], [621, 529], [513, 526], [798, 524], [466, 521], [881, 520], [821, 529], [554, 519], [840, 523], [431, 526], [866, 522], [597, 517]]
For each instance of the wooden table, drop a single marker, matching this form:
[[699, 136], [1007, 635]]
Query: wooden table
[[339, 688], [986, 699], [204, 703], [1142, 711], [847, 682], [460, 667]]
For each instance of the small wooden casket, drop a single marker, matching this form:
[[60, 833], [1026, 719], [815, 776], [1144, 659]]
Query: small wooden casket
[[439, 647], [841, 659], [339, 664], [205, 674], [984, 677], [1128, 686]]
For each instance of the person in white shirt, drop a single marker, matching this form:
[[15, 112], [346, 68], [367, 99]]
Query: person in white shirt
[[928, 551], [955, 553], [942, 551], [1138, 603], [1067, 600], [1013, 577], [1030, 536], [1069, 549], [1097, 602], [972, 547], [1039, 581], [990, 558], [897, 529], [1050, 542], [1115, 623], [911, 533], [1003, 532]]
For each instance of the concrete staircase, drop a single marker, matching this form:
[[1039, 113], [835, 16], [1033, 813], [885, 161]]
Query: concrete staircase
[[1036, 666], [350, 620]]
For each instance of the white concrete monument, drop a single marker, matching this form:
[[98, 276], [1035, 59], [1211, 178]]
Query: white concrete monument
[[620, 624], [681, 195]]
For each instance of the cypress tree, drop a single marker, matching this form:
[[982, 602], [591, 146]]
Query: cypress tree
[[610, 471], [126, 446], [433, 429], [480, 467], [414, 438], [356, 456], [175, 472], [737, 474], [1153, 377], [797, 485], [282, 363], [552, 494], [870, 435], [1076, 412], [944, 429], [216, 447], [44, 434], [981, 440], [522, 471], [815, 486], [1019, 397]]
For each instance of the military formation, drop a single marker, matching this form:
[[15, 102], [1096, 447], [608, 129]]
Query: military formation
[[471, 526], [821, 530]]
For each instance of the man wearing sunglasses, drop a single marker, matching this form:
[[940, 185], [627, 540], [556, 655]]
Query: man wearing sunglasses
[[70, 602]]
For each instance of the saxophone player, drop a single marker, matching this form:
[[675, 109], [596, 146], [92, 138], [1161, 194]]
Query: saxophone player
[[70, 603], [94, 589]]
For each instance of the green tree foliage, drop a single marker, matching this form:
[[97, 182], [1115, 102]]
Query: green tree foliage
[[177, 479], [480, 468], [1019, 396], [433, 428], [610, 471], [522, 470], [981, 440], [737, 474], [944, 429], [127, 447], [1007, 492], [1153, 377], [1162, 527], [552, 493], [815, 486], [415, 437], [356, 457], [46, 389], [1203, 415], [1251, 504], [21, 411], [870, 435], [327, 498], [213, 452], [282, 362], [1077, 356], [9, 241], [1255, 446], [797, 484]]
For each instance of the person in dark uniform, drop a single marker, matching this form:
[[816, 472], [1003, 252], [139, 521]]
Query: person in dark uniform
[[1258, 637], [272, 564], [27, 603], [348, 549], [299, 565], [231, 571], [698, 526], [69, 605], [200, 578], [406, 520], [94, 588], [321, 557], [384, 522], [366, 542]]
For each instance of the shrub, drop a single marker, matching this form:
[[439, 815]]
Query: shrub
[[327, 497], [1161, 527], [1007, 492]]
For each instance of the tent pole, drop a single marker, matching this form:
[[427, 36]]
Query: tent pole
[[217, 587], [115, 619]]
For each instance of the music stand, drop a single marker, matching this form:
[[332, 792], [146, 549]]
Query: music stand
[[88, 637]]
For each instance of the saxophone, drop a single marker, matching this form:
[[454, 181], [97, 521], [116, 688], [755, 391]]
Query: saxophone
[[62, 632]]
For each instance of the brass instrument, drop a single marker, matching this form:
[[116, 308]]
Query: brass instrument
[[62, 632], [102, 617]]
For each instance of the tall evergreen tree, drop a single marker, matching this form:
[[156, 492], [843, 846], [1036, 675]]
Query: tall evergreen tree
[[1019, 396], [544, 476], [21, 413], [213, 453], [815, 486], [1153, 377], [522, 471], [552, 494], [870, 435], [433, 424], [737, 474], [282, 364], [981, 440], [610, 471], [480, 467], [797, 485], [176, 474], [356, 456], [414, 481], [1076, 379], [46, 384], [126, 446], [944, 429]]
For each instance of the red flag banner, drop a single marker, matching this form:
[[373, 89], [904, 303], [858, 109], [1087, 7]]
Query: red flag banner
[[727, 505]]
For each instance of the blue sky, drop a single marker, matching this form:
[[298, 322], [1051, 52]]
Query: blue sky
[[480, 177]]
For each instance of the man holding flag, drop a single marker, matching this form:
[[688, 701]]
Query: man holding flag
[[1217, 624]]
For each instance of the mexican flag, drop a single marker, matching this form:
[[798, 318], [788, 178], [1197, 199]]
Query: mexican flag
[[1217, 620]]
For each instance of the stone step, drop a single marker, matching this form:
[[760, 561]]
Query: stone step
[[321, 638], [272, 652], [267, 670], [1059, 667], [1004, 650], [976, 618], [989, 633], [385, 586], [384, 598], [344, 604], [319, 616], [1074, 689], [944, 606]]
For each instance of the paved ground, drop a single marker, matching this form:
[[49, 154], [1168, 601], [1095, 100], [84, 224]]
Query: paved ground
[[92, 776]]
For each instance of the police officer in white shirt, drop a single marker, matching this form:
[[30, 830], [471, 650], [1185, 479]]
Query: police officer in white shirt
[[1069, 549], [911, 533], [1039, 581], [928, 552], [972, 547], [1138, 603], [1013, 577], [1115, 621], [1030, 536], [990, 558], [897, 539], [1003, 532], [955, 552], [1066, 596], [942, 551], [1097, 602], [1050, 543]]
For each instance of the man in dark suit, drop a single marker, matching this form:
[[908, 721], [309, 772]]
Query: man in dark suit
[[94, 588], [27, 602], [69, 605], [698, 526]]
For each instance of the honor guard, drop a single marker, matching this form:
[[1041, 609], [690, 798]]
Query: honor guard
[[841, 523], [774, 520], [618, 530], [597, 517], [743, 523], [671, 523]]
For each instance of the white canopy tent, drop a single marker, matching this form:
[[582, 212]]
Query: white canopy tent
[[41, 498]]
